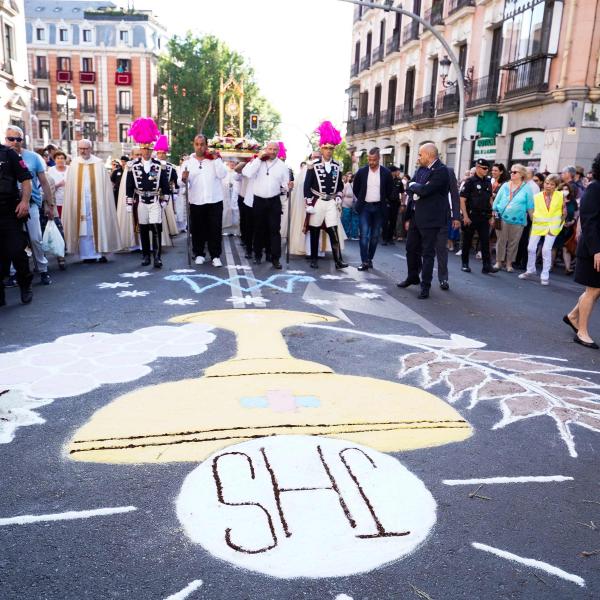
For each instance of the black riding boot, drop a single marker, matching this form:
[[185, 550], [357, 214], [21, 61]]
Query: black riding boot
[[315, 232], [145, 243], [335, 248], [156, 249]]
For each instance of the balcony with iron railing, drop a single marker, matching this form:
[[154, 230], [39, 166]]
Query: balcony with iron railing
[[455, 5], [365, 62], [357, 126], [378, 54], [41, 106], [40, 74], [447, 101], [393, 43], [424, 108], [88, 108], [404, 114], [410, 32], [124, 110], [354, 70], [482, 91], [527, 78], [435, 14], [387, 117]]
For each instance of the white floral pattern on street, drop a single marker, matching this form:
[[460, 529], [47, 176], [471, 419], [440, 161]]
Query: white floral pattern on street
[[296, 272], [112, 286], [135, 274], [249, 300], [367, 295], [318, 301], [133, 294], [333, 277], [369, 287], [184, 271], [180, 302]]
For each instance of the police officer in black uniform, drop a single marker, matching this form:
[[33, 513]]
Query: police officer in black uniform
[[14, 211], [476, 208], [392, 209], [147, 188]]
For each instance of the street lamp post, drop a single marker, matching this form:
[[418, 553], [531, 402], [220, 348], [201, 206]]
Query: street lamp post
[[386, 6], [67, 102]]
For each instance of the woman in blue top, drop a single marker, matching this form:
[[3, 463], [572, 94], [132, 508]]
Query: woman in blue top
[[512, 203]]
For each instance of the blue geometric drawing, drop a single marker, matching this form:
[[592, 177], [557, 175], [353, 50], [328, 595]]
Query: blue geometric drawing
[[285, 283]]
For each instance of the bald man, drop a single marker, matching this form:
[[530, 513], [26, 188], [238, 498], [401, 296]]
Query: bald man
[[430, 201]]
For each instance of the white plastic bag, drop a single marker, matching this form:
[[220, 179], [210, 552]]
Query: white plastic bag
[[52, 242]]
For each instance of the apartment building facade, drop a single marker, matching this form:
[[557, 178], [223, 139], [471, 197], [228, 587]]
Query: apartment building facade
[[105, 58], [531, 70], [15, 89]]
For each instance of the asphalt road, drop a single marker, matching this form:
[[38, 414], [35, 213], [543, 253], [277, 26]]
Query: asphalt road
[[492, 348]]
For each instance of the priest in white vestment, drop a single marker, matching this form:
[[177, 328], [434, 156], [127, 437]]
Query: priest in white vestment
[[89, 216]]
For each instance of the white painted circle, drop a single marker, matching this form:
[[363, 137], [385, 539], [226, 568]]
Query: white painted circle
[[235, 516]]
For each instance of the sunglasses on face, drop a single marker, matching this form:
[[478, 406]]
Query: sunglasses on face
[[11, 138], [514, 173], [482, 167]]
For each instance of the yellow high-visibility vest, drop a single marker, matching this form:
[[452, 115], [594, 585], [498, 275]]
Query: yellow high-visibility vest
[[547, 220]]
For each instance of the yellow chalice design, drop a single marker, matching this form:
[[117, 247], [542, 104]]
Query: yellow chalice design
[[263, 391]]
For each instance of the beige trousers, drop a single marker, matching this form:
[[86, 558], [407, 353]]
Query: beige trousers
[[508, 243]]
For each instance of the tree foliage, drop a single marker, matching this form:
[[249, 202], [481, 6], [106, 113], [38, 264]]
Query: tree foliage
[[342, 155], [189, 79]]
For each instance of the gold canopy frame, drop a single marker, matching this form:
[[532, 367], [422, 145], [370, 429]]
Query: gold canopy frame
[[235, 91]]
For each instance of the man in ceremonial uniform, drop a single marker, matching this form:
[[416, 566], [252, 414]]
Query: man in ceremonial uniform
[[162, 149], [476, 207], [14, 211], [323, 188], [147, 189]]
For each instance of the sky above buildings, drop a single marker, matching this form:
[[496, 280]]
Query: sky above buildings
[[300, 50]]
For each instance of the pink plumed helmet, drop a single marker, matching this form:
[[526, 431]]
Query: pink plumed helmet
[[144, 132], [162, 144], [282, 151], [328, 134]]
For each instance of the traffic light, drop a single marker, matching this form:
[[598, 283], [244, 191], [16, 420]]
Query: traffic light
[[254, 122]]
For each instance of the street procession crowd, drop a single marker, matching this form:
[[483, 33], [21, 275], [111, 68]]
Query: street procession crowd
[[51, 203]]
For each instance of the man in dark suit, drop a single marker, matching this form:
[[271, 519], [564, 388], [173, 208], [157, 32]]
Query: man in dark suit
[[430, 200], [373, 188]]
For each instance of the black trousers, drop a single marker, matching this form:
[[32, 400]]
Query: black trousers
[[441, 254], [391, 219], [246, 224], [481, 225], [207, 228], [12, 249], [420, 252], [267, 226], [147, 232]]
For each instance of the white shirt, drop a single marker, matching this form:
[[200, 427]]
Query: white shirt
[[269, 176], [204, 185], [327, 165], [58, 176], [373, 186], [147, 164]]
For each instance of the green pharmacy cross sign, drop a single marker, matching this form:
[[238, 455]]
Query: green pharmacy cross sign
[[528, 145], [489, 124]]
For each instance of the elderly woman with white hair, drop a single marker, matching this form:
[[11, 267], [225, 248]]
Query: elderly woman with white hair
[[511, 205], [547, 220]]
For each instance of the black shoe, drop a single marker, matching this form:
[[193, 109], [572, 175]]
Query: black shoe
[[157, 263], [2, 297], [45, 278], [489, 270], [62, 265], [257, 260], [340, 265], [384, 243], [444, 285], [570, 323], [466, 268], [10, 281], [103, 259], [248, 255], [423, 294], [145, 261], [89, 261], [408, 282], [363, 267], [370, 264], [593, 345], [314, 264], [276, 264], [26, 293]]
